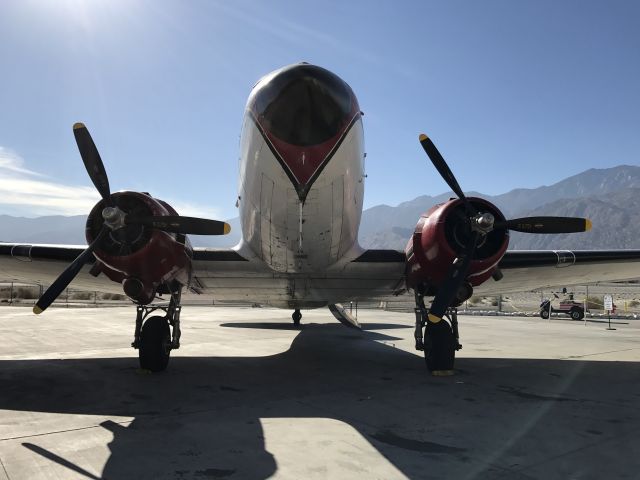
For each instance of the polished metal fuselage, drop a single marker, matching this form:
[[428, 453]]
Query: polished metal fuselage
[[291, 235]]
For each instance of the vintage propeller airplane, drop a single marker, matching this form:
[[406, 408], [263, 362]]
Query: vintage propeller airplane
[[300, 199]]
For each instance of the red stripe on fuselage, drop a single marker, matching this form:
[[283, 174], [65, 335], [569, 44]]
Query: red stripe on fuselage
[[303, 164]]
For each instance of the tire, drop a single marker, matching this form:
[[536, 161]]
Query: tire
[[577, 314], [439, 347], [544, 314], [155, 344]]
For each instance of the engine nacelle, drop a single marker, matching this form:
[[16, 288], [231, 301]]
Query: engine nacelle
[[441, 235], [143, 259]]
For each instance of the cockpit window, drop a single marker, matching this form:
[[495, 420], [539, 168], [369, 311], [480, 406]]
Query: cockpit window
[[305, 105]]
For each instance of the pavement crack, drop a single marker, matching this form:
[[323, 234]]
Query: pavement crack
[[44, 434], [4, 469], [599, 353], [533, 396]]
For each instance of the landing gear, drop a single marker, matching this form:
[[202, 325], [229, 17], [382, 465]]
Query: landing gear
[[155, 344], [156, 336], [440, 341], [296, 316]]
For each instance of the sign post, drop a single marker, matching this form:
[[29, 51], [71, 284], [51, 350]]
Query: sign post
[[608, 306]]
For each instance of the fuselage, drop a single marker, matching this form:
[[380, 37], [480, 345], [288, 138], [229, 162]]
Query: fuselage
[[301, 170]]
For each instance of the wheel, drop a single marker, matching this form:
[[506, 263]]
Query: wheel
[[439, 348], [296, 316], [544, 314], [577, 314], [155, 344]]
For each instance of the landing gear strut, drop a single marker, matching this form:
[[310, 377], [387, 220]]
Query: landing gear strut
[[440, 341], [156, 336], [296, 316]]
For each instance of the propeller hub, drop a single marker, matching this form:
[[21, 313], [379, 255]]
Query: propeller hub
[[114, 218], [483, 222]]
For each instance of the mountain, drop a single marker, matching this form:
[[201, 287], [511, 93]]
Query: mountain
[[592, 193], [51, 229], [59, 229], [383, 218], [609, 197], [590, 183], [615, 217]]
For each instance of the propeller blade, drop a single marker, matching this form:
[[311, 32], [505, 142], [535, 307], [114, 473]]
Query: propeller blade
[[457, 273], [444, 170], [92, 161], [180, 224], [546, 224], [65, 278]]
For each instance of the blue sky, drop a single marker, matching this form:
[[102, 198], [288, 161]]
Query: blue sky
[[515, 94]]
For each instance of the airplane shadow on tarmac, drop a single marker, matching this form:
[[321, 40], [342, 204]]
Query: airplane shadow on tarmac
[[201, 418]]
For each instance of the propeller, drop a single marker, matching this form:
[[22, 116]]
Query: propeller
[[180, 224], [115, 219], [455, 277], [65, 278], [481, 224], [445, 172], [546, 225], [92, 161]]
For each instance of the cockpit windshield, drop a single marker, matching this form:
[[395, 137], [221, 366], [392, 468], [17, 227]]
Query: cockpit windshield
[[303, 105]]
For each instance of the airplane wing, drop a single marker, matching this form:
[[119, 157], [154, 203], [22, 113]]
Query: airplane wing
[[523, 270], [535, 269], [222, 275], [227, 275], [41, 265]]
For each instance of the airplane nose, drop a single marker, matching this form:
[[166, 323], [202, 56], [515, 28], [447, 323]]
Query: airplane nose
[[303, 104], [303, 111]]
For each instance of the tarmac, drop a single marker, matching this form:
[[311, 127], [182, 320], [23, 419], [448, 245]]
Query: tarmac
[[250, 396]]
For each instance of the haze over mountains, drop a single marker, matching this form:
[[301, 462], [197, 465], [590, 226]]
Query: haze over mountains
[[609, 197]]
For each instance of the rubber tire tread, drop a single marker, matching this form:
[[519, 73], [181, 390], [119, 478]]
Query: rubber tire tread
[[580, 314], [152, 353], [439, 346]]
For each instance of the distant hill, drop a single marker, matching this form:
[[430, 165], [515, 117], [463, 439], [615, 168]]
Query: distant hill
[[50, 229], [588, 192], [59, 229], [615, 217], [609, 197], [594, 182]]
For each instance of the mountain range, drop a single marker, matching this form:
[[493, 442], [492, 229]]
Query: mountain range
[[609, 197]]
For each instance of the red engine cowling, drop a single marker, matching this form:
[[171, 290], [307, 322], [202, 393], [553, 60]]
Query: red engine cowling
[[441, 235], [143, 259]]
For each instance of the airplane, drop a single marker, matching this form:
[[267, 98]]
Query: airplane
[[300, 199]]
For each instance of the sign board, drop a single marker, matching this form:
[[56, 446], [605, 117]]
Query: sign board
[[608, 302]]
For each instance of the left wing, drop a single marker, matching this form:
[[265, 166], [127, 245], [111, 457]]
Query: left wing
[[523, 270], [533, 269]]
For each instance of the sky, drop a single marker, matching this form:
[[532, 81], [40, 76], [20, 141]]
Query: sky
[[514, 94]]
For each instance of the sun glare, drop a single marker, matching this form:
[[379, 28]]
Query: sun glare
[[86, 14]]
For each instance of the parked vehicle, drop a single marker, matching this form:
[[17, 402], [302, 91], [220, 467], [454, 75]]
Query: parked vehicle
[[567, 306]]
